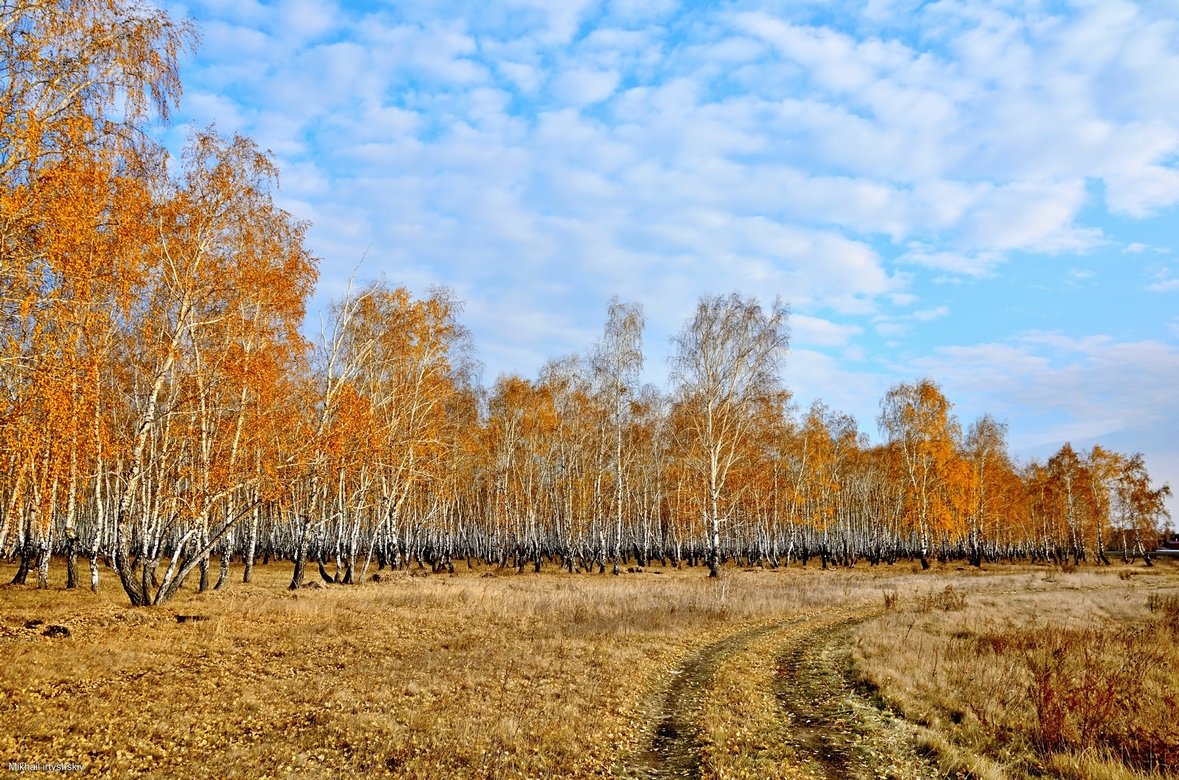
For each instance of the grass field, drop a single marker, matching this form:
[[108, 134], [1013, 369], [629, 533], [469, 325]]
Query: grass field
[[490, 674], [1059, 673]]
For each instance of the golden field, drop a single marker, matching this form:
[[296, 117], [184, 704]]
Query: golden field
[[491, 674]]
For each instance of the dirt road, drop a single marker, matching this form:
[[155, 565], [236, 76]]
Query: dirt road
[[675, 750], [818, 724]]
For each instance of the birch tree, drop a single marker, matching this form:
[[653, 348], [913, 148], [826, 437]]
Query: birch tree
[[79, 82], [986, 451], [725, 362], [916, 419], [1068, 476], [226, 276], [1141, 507], [617, 362]]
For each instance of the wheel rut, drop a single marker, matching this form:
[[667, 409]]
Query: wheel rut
[[675, 749], [814, 696], [826, 727], [836, 731]]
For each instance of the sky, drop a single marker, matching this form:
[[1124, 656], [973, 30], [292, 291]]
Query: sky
[[983, 193]]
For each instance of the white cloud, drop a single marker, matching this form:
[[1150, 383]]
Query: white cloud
[[1097, 384], [526, 77], [1138, 247], [542, 156], [583, 86], [227, 39], [1027, 216], [206, 108], [1142, 191], [1164, 282], [511, 311], [831, 59], [891, 329], [307, 19], [442, 52], [928, 315], [812, 376], [809, 268], [249, 12], [559, 21], [819, 332], [976, 265]]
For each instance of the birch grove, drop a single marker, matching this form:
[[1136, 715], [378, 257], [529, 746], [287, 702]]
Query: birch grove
[[161, 408]]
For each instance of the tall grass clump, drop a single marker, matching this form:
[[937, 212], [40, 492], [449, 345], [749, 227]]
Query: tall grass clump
[[1105, 691]]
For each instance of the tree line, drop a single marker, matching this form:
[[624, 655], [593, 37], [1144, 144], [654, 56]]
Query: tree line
[[162, 411]]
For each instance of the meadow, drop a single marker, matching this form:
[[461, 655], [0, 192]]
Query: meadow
[[861, 672]]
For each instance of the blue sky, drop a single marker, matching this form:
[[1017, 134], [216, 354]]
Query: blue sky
[[985, 193]]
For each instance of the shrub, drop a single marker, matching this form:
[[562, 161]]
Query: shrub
[[948, 600], [1091, 691]]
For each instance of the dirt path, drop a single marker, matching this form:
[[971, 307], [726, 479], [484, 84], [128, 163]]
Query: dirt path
[[837, 731], [828, 729], [813, 696], [675, 749]]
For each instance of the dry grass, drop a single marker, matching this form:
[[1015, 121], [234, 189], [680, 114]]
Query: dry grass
[[469, 675], [549, 675], [1049, 672]]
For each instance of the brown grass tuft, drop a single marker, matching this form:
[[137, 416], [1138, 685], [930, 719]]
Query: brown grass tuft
[[948, 599]]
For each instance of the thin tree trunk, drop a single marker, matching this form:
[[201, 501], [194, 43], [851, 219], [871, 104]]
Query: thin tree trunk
[[94, 570], [27, 552], [301, 554], [714, 541], [44, 550], [71, 562], [226, 554], [204, 567], [251, 544]]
